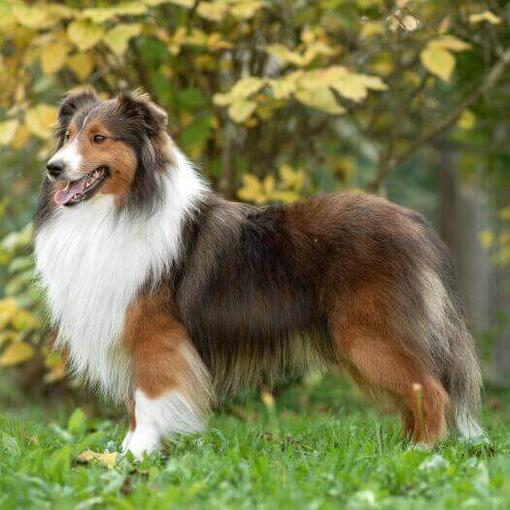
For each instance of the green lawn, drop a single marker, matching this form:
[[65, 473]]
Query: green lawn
[[321, 447]]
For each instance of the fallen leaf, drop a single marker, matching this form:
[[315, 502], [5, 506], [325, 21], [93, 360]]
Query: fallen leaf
[[106, 459]]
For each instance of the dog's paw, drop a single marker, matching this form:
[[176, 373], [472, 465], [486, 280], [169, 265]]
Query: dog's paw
[[142, 442], [126, 441]]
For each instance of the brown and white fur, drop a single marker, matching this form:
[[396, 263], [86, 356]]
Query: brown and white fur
[[167, 296]]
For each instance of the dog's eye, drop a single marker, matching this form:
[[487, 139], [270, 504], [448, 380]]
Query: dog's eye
[[99, 138]]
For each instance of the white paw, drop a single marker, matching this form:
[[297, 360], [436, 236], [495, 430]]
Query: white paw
[[143, 441], [127, 440]]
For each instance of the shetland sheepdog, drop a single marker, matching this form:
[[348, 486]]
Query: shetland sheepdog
[[167, 296]]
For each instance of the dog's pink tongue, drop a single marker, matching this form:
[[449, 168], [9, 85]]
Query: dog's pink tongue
[[63, 196]]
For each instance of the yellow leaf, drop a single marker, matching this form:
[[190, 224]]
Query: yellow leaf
[[241, 109], [247, 86], [82, 64], [106, 459], [488, 16], [56, 373], [16, 353], [214, 11], [504, 213], [438, 62], [467, 120], [487, 238], [21, 138], [449, 42], [269, 184], [53, 57], [34, 17], [8, 305], [268, 399], [222, 99], [102, 14], [244, 88], [8, 130], [215, 42], [55, 365], [382, 64], [320, 98], [371, 29], [291, 178], [355, 86], [251, 190], [40, 119], [245, 10], [85, 34], [7, 336], [181, 3], [282, 88], [283, 53], [24, 320], [118, 37]]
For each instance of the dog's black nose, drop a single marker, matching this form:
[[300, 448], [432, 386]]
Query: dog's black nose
[[55, 168]]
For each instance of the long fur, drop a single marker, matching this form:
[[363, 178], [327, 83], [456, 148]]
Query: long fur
[[262, 292], [93, 263]]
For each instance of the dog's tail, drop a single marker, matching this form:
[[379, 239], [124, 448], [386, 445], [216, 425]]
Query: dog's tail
[[456, 360], [464, 382]]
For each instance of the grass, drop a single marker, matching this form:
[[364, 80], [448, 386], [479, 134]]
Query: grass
[[321, 447]]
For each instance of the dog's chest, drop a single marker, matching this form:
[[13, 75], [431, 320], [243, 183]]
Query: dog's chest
[[93, 264]]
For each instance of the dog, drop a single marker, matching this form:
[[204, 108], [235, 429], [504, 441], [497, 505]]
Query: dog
[[167, 297]]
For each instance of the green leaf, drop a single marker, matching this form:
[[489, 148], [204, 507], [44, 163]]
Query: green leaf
[[10, 444], [59, 464], [77, 423]]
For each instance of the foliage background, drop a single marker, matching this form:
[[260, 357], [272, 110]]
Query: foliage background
[[275, 100]]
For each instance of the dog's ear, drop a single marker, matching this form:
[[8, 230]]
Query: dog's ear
[[138, 106], [71, 103]]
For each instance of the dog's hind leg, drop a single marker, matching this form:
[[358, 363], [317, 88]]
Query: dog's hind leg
[[386, 365]]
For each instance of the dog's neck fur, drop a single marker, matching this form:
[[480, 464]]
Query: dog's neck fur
[[93, 262]]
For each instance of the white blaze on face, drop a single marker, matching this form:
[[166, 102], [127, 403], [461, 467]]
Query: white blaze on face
[[71, 157]]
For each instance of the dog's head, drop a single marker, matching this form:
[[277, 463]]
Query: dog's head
[[115, 147]]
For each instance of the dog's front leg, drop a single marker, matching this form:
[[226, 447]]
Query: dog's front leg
[[159, 416], [172, 390]]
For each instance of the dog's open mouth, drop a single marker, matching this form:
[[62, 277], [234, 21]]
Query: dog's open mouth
[[77, 191]]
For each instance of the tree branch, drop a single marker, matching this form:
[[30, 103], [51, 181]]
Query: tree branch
[[388, 165]]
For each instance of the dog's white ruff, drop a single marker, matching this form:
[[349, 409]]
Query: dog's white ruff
[[93, 263]]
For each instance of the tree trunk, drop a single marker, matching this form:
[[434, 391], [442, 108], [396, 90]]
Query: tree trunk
[[464, 215]]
